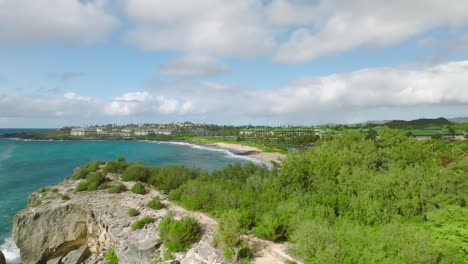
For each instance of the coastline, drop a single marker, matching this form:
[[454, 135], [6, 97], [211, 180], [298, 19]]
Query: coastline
[[236, 149], [253, 152]]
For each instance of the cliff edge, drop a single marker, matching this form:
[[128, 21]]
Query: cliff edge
[[61, 226]]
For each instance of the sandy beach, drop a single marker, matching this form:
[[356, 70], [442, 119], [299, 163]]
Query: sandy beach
[[253, 152]]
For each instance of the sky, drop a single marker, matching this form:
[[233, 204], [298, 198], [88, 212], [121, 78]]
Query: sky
[[264, 62]]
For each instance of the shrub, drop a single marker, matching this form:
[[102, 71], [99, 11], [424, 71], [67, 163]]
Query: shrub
[[43, 190], [155, 203], [139, 188], [179, 235], [228, 237], [111, 167], [111, 257], [118, 188], [65, 197], [92, 182], [142, 223], [133, 212], [54, 190], [136, 172], [83, 172], [171, 177]]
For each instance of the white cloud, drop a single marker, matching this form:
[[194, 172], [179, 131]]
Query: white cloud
[[343, 25], [193, 66], [203, 26], [379, 93], [67, 21]]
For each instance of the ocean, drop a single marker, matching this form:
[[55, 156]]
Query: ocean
[[26, 166]]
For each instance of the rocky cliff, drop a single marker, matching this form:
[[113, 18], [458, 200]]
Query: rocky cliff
[[2, 258], [61, 226]]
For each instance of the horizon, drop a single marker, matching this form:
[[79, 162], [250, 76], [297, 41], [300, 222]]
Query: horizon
[[368, 122], [269, 62]]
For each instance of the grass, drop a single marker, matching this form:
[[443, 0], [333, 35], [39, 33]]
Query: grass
[[133, 212], [139, 224], [155, 203], [111, 257], [65, 197], [118, 188], [139, 188]]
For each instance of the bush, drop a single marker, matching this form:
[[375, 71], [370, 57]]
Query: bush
[[118, 188], [111, 257], [133, 212], [139, 188], [83, 172], [179, 235], [65, 197], [142, 223], [92, 182], [136, 172], [111, 167], [171, 177], [155, 203], [228, 237]]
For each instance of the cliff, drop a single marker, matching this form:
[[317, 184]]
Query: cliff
[[82, 227]]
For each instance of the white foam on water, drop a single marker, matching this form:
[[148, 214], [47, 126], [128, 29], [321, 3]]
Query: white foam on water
[[227, 152], [10, 251]]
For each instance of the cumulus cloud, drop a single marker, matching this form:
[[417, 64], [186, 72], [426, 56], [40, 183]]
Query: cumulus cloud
[[67, 21], [342, 25], [144, 103], [379, 93], [204, 26], [193, 66], [290, 31]]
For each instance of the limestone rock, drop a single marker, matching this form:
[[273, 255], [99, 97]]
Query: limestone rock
[[2, 258], [82, 229]]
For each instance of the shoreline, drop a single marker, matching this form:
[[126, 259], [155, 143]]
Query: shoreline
[[248, 151], [236, 149]]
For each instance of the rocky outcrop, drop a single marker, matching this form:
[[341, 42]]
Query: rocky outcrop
[[53, 230], [2, 258]]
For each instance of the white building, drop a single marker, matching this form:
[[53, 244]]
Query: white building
[[83, 131]]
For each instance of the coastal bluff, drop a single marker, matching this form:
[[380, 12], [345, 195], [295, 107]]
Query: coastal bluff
[[61, 226]]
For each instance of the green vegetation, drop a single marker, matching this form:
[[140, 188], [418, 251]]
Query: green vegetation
[[142, 223], [83, 172], [115, 166], [136, 172], [228, 237], [118, 188], [92, 182], [139, 188], [43, 190], [356, 198], [111, 257], [171, 177], [133, 212], [179, 235], [349, 199], [65, 197], [155, 204]]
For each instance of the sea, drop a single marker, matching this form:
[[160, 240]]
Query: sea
[[28, 165]]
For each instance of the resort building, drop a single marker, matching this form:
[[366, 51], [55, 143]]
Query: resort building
[[83, 131]]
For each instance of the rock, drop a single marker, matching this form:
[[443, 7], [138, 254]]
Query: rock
[[50, 232], [82, 229], [76, 256], [2, 258]]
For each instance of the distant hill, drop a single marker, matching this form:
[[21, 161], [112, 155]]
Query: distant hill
[[423, 122], [459, 119]]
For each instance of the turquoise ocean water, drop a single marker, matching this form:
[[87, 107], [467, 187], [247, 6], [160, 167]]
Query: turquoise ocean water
[[26, 166]]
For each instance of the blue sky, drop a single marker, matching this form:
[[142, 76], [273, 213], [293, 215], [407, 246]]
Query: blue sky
[[278, 62]]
